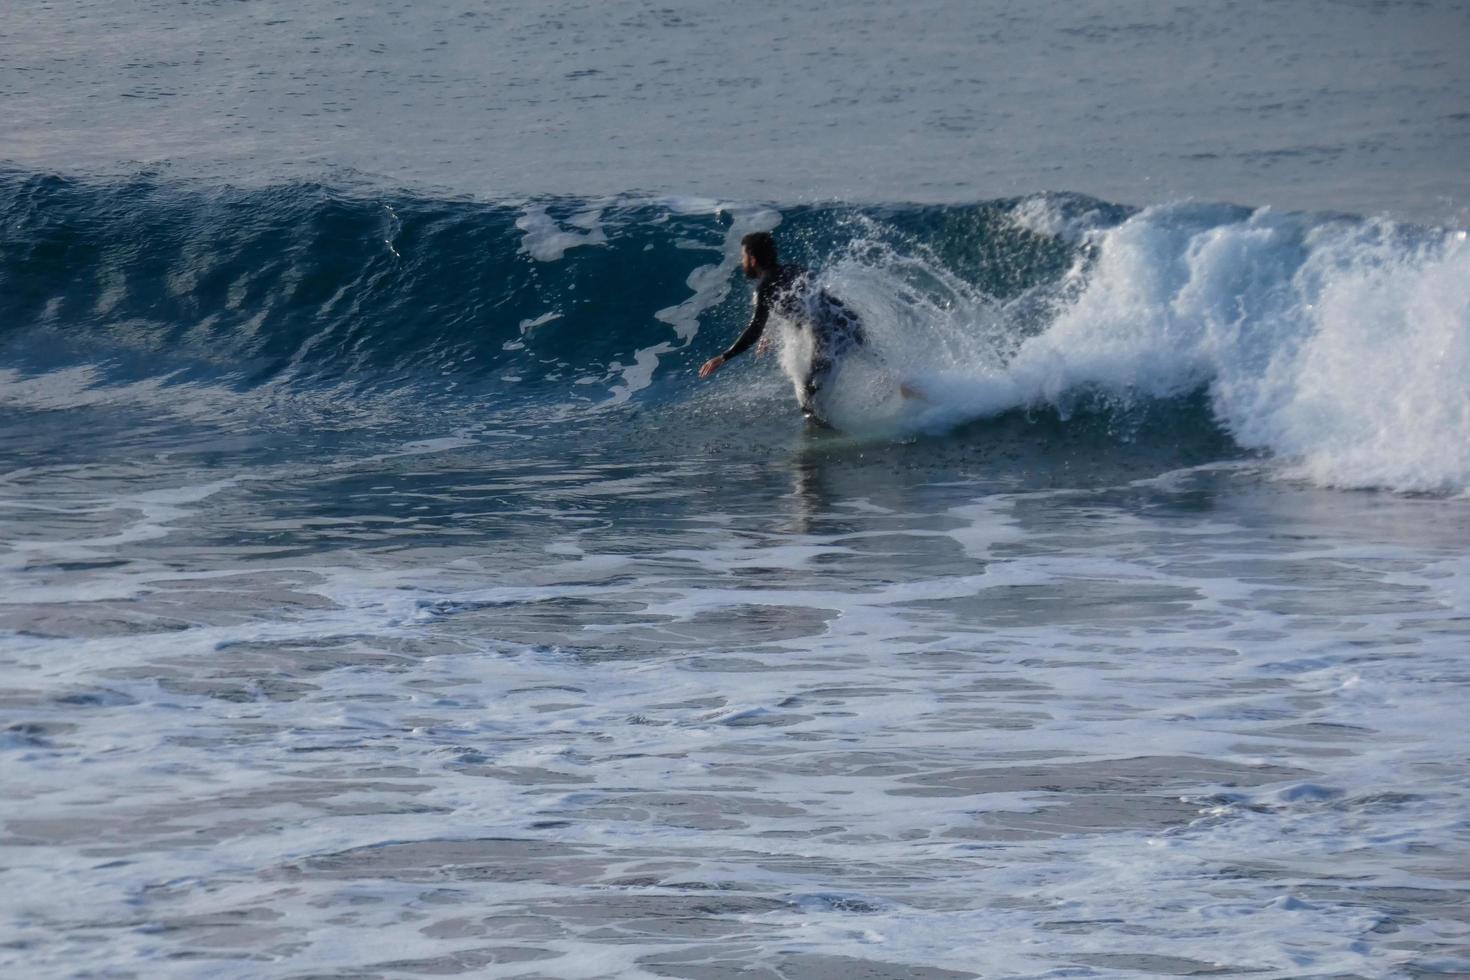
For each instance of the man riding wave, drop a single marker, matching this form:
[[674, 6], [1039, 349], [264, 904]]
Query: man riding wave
[[833, 329]]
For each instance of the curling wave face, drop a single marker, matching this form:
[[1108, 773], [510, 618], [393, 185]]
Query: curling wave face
[[1334, 344]]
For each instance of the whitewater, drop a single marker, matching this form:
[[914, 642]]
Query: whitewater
[[383, 594], [343, 637]]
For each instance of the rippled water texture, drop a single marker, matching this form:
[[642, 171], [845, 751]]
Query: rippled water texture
[[382, 593], [818, 711], [1339, 104]]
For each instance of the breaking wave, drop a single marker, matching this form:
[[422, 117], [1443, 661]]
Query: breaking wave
[[1335, 344]]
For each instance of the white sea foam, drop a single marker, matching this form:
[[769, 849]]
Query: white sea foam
[[710, 285], [1338, 345], [950, 737], [545, 239]]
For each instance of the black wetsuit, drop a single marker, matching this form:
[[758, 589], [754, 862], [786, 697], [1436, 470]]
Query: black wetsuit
[[835, 329]]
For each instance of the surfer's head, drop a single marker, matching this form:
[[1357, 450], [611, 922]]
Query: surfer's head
[[757, 254]]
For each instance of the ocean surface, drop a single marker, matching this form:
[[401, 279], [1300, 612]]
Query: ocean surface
[[382, 594]]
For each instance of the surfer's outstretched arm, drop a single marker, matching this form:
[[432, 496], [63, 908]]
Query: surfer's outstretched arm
[[751, 334]]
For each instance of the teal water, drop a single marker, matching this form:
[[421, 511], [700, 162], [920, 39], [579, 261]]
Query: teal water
[[383, 594]]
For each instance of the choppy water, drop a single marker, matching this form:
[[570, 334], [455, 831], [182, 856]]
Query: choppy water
[[922, 708], [381, 594]]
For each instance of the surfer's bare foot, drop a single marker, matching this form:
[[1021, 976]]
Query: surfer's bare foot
[[909, 391]]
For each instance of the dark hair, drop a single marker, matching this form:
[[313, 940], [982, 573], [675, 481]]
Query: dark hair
[[762, 248]]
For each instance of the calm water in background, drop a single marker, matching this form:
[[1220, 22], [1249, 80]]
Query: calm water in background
[[1357, 106], [381, 595]]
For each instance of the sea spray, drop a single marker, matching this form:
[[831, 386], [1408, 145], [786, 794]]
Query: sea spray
[[1337, 345]]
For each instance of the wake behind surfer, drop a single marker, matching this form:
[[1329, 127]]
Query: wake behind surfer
[[831, 328]]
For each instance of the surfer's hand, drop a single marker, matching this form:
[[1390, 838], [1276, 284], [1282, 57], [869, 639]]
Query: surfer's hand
[[712, 365], [763, 346]]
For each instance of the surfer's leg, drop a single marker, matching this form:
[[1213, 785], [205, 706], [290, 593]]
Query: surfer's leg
[[816, 376], [834, 333]]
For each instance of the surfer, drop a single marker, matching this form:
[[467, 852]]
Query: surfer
[[834, 329]]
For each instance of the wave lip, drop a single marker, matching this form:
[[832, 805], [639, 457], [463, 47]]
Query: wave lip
[[1335, 344]]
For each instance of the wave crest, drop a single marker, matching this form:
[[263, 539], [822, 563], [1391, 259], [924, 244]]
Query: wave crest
[[1336, 344]]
